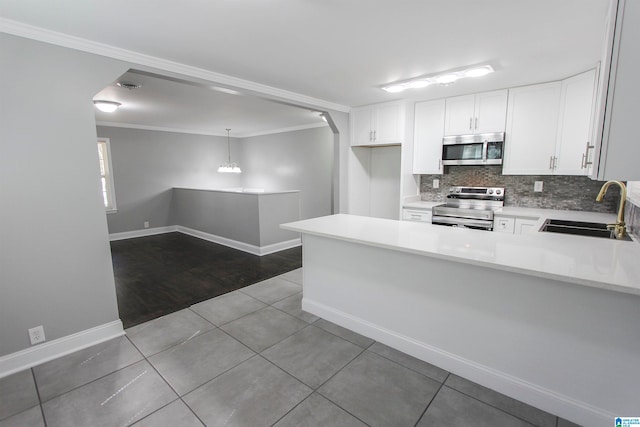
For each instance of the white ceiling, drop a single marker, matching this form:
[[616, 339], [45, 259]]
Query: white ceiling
[[337, 50], [169, 105]]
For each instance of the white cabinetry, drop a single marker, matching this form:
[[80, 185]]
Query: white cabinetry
[[532, 126], [503, 224], [479, 113], [421, 215], [427, 140], [574, 144], [381, 124], [514, 225], [620, 152]]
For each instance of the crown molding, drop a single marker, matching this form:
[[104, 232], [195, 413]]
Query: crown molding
[[53, 37], [193, 132], [283, 130]]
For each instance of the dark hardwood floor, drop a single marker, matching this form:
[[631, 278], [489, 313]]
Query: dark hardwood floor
[[158, 275]]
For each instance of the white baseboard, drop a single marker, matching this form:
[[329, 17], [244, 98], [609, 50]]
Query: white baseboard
[[32, 356], [280, 246], [142, 233], [545, 399], [245, 247]]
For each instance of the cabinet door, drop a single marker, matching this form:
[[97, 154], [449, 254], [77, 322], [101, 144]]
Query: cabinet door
[[574, 127], [459, 115], [532, 126], [389, 124], [490, 112], [525, 226], [362, 126], [427, 138], [503, 224]]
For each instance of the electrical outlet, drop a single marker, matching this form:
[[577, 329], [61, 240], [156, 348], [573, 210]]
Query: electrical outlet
[[36, 335], [146, 224], [436, 183], [537, 186]]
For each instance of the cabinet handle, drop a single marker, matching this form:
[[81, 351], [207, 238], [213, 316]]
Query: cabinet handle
[[551, 162], [583, 162], [586, 155], [470, 123], [476, 126], [374, 135], [370, 135], [555, 163]]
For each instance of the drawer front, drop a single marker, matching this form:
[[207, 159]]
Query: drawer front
[[504, 225], [416, 215]]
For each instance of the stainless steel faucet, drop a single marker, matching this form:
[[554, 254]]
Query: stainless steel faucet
[[619, 227]]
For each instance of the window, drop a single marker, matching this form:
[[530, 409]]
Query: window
[[106, 177]]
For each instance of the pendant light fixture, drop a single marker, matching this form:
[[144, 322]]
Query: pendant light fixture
[[228, 167]]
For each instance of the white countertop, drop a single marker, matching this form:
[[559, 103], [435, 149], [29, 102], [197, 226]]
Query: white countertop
[[601, 263], [421, 205]]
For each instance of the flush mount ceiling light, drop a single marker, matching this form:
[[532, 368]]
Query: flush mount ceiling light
[[446, 78], [107, 106], [228, 167]]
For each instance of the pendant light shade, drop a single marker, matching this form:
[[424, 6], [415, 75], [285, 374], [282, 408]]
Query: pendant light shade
[[228, 166]]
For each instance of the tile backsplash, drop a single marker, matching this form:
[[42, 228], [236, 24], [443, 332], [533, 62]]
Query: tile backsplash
[[560, 192]]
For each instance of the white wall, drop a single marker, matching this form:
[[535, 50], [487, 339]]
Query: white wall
[[300, 160], [55, 260], [148, 164]]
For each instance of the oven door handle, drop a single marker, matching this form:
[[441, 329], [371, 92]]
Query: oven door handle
[[485, 148], [462, 222]]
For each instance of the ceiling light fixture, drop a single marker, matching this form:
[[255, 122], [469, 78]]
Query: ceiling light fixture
[[107, 106], [228, 167], [446, 78], [128, 85]]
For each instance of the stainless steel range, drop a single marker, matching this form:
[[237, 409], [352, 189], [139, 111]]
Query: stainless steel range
[[470, 207]]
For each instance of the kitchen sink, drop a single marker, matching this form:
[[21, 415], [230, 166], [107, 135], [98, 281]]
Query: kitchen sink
[[580, 228]]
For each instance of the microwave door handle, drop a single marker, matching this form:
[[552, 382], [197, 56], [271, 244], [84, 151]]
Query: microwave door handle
[[485, 147]]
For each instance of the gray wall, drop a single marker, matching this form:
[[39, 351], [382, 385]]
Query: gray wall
[[148, 164], [55, 260], [300, 160]]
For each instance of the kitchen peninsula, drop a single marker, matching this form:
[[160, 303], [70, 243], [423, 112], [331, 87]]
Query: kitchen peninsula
[[548, 319]]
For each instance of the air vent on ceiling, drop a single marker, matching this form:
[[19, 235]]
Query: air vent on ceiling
[[128, 85]]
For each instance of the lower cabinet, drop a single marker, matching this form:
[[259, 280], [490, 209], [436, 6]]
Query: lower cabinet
[[416, 215], [511, 225]]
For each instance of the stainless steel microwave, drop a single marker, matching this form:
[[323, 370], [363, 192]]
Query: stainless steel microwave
[[479, 149]]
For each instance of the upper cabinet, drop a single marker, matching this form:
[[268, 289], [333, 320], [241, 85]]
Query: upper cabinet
[[549, 128], [427, 138], [480, 113], [574, 146], [532, 126], [380, 124], [619, 156]]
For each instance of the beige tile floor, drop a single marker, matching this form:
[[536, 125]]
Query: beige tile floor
[[251, 358]]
